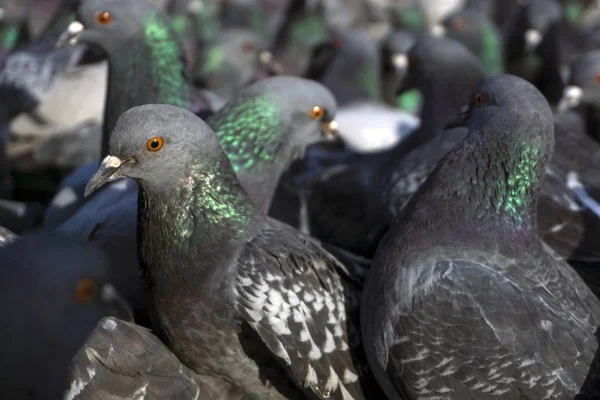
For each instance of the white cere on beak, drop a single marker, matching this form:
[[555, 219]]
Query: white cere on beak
[[532, 39], [71, 34], [266, 57], [332, 126], [111, 162], [400, 61], [571, 98], [438, 30]]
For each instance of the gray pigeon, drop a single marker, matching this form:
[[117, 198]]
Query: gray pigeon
[[238, 297], [146, 65], [262, 131], [53, 293], [463, 300]]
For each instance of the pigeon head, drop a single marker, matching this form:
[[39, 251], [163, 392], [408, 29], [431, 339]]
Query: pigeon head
[[584, 82], [274, 120], [55, 290], [434, 58], [511, 130], [353, 67], [14, 12], [394, 50], [533, 21], [155, 145], [473, 29], [506, 102], [113, 24]]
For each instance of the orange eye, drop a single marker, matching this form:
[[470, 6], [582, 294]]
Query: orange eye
[[458, 24], [479, 99], [337, 43], [85, 290], [155, 144], [317, 112], [103, 17], [598, 77]]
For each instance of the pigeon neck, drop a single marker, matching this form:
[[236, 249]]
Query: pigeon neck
[[481, 190], [9, 35], [204, 206], [250, 132], [491, 50], [148, 70]]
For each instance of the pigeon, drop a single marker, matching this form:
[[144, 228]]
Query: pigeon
[[126, 361], [27, 75], [582, 92], [54, 292], [531, 46], [262, 130], [348, 204], [469, 302], [251, 301], [145, 66], [479, 34]]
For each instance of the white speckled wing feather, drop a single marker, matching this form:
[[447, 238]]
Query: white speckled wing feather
[[289, 292]]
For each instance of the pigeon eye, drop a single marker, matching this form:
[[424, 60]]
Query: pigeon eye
[[413, 62], [317, 112], [103, 17], [248, 47], [598, 77], [479, 99], [85, 290], [459, 24], [155, 144], [337, 43]]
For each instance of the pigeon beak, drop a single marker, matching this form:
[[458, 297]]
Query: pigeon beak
[[571, 98], [461, 119], [533, 38], [71, 34], [330, 130], [106, 173], [438, 30], [2, 13], [267, 59], [400, 63], [117, 306]]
